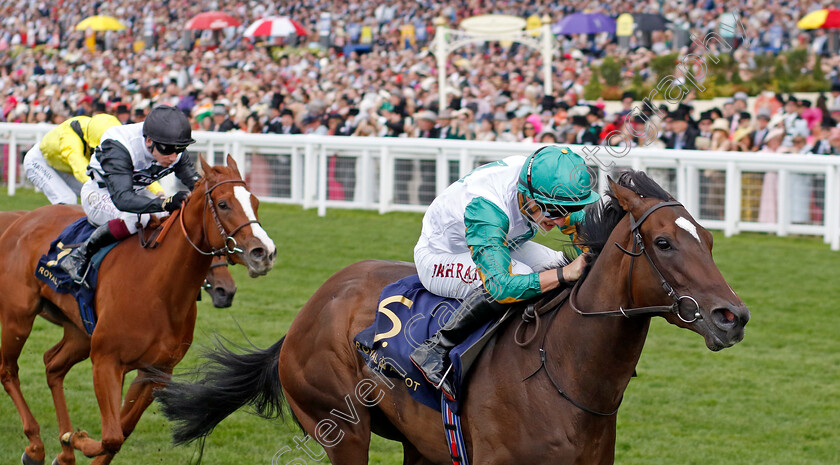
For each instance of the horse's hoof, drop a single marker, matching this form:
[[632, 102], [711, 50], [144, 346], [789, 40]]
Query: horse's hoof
[[27, 460], [66, 438]]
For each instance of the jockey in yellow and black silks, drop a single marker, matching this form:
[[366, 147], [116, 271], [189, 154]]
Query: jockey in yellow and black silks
[[58, 164]]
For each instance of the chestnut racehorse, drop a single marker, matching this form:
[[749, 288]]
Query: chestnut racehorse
[[552, 401], [219, 282], [145, 302]]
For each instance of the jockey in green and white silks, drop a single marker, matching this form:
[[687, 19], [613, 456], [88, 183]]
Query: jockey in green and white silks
[[476, 242]]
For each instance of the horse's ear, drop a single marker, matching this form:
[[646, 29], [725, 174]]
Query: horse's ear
[[231, 163], [629, 200], [205, 168]]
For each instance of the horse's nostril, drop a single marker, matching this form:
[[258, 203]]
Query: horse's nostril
[[257, 253], [724, 318], [221, 291]]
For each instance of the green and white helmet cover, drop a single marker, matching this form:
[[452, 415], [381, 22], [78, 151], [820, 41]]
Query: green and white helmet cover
[[556, 177]]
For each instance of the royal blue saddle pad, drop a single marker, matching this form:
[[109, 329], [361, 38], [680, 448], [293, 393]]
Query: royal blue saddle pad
[[406, 316], [52, 274]]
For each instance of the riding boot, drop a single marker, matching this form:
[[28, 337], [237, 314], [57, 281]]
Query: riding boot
[[432, 358], [76, 263]]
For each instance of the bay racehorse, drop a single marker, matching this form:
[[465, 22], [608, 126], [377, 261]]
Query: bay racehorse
[[219, 282], [145, 303], [552, 401]]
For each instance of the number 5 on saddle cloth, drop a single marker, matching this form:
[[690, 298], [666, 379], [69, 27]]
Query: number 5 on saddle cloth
[[407, 315]]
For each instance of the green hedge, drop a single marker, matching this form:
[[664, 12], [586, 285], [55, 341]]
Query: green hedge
[[793, 71]]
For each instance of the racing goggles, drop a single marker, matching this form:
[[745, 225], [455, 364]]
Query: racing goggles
[[165, 149], [554, 212]]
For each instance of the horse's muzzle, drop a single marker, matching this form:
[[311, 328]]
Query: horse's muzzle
[[259, 261], [727, 325]]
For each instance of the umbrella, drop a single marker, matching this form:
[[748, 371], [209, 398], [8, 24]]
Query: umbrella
[[821, 19], [650, 22], [275, 26], [212, 20], [100, 23], [584, 23]]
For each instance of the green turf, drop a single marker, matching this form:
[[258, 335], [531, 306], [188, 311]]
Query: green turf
[[773, 399]]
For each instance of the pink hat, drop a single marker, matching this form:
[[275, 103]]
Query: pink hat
[[535, 120]]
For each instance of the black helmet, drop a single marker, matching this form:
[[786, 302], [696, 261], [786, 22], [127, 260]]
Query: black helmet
[[168, 125]]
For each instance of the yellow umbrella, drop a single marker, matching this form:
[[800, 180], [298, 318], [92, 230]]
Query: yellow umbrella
[[100, 23], [821, 19]]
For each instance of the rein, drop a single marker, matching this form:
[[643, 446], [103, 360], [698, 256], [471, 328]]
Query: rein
[[544, 357], [554, 305], [230, 245], [638, 250]]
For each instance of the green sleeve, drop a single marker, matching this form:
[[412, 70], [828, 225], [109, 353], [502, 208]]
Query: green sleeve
[[486, 233], [570, 228]]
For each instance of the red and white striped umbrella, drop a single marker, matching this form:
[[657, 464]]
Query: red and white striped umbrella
[[275, 26], [212, 20]]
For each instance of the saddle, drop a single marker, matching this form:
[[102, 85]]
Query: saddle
[[407, 314], [54, 276]]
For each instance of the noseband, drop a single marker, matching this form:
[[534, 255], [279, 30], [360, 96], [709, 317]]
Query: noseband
[[230, 245], [640, 249]]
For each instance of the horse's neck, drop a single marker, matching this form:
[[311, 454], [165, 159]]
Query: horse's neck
[[599, 353], [185, 265]]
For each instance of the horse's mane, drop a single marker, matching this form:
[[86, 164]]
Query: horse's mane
[[602, 217]]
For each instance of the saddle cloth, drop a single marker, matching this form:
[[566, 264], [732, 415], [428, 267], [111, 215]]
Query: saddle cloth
[[406, 316], [55, 277]]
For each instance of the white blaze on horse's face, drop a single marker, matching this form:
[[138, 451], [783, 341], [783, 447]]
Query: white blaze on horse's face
[[688, 226], [244, 198]]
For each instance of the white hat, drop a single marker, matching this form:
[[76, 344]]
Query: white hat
[[427, 115]]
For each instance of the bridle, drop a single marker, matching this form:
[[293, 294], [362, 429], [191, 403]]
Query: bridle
[[640, 249], [207, 285], [230, 244]]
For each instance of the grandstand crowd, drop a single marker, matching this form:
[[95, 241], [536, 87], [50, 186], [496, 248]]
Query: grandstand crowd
[[387, 86]]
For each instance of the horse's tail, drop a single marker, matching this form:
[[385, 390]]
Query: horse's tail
[[229, 382]]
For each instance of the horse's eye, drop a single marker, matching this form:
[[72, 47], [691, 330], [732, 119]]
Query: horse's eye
[[223, 205], [663, 244]]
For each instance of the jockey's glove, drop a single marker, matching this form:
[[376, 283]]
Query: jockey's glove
[[174, 202]]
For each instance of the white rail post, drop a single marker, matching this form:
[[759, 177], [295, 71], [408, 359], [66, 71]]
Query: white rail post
[[322, 181], [12, 168], [833, 203], [364, 182], [296, 172], [692, 190], [732, 207], [829, 204], [386, 180], [310, 175], [441, 171], [682, 182], [782, 205], [465, 161]]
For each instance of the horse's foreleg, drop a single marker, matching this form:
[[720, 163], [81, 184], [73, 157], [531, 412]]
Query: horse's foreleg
[[411, 456], [72, 349], [107, 384], [137, 400], [16, 326]]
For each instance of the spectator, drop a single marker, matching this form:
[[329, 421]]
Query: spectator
[[720, 135], [681, 137], [221, 119], [123, 114]]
